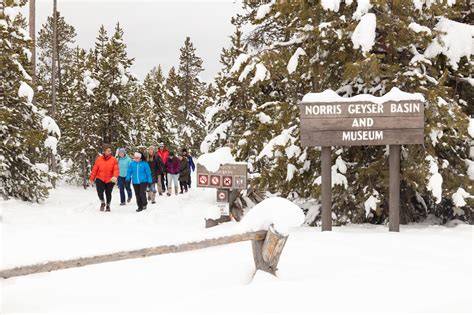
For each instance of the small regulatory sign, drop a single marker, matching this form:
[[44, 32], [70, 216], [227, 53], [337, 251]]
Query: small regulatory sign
[[215, 180], [224, 208], [227, 181], [222, 195], [240, 182], [203, 179]]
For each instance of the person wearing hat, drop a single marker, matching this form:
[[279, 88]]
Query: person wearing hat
[[124, 162], [139, 174], [104, 174]]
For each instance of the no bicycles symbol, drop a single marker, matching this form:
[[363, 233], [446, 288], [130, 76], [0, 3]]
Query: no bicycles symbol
[[215, 180]]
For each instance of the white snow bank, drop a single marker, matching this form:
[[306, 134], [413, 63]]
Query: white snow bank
[[293, 63], [26, 91], [280, 212], [364, 33], [212, 161], [455, 41], [395, 94]]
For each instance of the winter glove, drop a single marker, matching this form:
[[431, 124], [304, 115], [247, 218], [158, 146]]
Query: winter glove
[[113, 179]]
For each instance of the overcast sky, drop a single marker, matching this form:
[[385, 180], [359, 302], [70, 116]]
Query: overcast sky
[[154, 29]]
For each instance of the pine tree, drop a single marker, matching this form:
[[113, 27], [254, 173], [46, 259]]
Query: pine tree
[[173, 96], [189, 113], [80, 138], [22, 135], [161, 118], [66, 34], [116, 86]]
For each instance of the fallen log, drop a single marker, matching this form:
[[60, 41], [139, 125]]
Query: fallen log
[[145, 252]]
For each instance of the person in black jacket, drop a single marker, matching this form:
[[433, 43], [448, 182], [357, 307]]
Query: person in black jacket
[[161, 175], [154, 164]]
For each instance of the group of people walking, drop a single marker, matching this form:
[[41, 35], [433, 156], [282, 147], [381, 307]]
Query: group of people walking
[[155, 171]]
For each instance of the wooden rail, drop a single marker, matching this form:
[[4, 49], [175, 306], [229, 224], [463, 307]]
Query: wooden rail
[[257, 238]]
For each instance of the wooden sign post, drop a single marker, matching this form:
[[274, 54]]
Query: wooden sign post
[[358, 123], [229, 179]]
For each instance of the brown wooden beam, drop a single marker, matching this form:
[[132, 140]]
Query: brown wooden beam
[[140, 253]]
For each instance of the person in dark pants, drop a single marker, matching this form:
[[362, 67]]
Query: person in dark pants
[[192, 167], [183, 173], [139, 174], [104, 174], [123, 162]]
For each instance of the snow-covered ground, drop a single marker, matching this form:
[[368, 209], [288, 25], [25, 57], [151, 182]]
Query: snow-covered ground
[[355, 268]]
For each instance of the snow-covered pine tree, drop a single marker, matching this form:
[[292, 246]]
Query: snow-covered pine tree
[[80, 138], [65, 38], [22, 175], [173, 96], [306, 46], [231, 101], [162, 118], [189, 113], [66, 35], [116, 85]]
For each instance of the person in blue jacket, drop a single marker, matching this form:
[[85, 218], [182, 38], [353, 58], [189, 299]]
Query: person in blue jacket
[[192, 167], [123, 162], [139, 174]]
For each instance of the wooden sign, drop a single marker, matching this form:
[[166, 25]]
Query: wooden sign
[[350, 123], [229, 176], [361, 123]]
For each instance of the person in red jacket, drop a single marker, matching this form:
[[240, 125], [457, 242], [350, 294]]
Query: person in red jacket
[[105, 173]]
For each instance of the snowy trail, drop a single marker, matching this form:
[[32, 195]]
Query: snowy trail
[[424, 268], [69, 225]]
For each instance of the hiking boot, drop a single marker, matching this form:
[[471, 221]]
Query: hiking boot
[[181, 192], [161, 194], [153, 196], [144, 208], [168, 194], [122, 203], [102, 206], [129, 199], [139, 209], [176, 191], [107, 208], [148, 194]]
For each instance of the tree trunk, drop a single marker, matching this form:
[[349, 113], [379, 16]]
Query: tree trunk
[[53, 84], [32, 29]]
